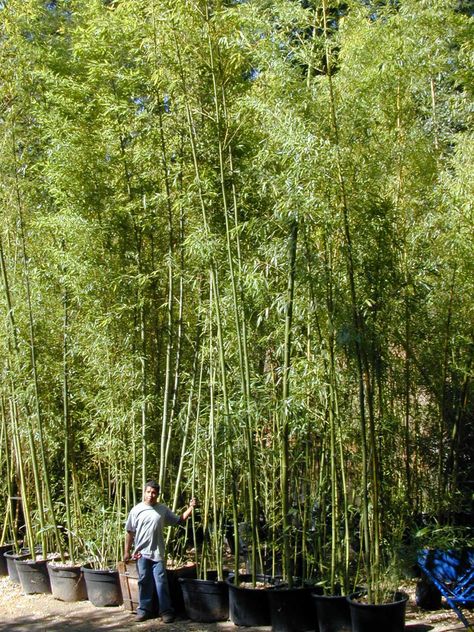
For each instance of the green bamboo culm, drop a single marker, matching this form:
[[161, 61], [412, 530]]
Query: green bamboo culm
[[285, 408], [9, 530], [68, 435], [370, 552], [226, 174]]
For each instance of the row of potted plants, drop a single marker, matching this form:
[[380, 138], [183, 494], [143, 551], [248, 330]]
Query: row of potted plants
[[211, 595], [265, 601], [65, 579], [301, 608], [252, 600], [107, 584]]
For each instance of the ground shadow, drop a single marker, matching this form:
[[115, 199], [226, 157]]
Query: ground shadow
[[418, 627], [89, 622], [94, 622]]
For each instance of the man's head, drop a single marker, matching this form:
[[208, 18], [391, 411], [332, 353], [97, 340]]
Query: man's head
[[151, 492]]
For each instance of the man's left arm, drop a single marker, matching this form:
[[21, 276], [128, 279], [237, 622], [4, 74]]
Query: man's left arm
[[185, 515]]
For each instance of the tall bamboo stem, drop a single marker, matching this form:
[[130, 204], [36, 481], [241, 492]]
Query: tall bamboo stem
[[370, 544], [214, 286], [222, 131], [285, 417]]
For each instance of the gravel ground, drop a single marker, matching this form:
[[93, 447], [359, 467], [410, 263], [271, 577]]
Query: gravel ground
[[38, 613]]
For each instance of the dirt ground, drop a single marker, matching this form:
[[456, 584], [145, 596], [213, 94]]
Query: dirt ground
[[38, 613]]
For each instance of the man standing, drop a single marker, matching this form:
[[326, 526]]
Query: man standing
[[144, 527]]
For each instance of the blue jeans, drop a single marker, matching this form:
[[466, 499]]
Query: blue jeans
[[152, 575]]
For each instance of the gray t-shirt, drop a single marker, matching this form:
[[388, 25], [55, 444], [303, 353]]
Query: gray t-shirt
[[147, 523]]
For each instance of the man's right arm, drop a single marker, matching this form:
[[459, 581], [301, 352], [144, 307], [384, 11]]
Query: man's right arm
[[129, 537]]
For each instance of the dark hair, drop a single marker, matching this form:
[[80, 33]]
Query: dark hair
[[154, 484]]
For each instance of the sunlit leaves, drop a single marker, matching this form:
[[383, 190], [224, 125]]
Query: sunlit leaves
[[152, 144]]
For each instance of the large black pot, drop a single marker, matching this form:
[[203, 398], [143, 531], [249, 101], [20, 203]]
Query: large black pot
[[103, 586], [176, 594], [291, 609], [11, 558], [205, 600], [389, 617], [5, 548], [67, 582], [248, 606], [427, 595], [333, 613], [33, 575]]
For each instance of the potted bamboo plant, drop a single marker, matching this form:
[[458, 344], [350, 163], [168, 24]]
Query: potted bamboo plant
[[103, 535], [66, 576], [206, 596], [289, 601], [41, 537], [385, 606], [335, 568]]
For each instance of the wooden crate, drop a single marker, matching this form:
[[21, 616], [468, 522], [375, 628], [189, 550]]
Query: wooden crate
[[128, 574]]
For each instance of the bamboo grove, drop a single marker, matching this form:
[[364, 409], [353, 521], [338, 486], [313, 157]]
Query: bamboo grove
[[236, 255]]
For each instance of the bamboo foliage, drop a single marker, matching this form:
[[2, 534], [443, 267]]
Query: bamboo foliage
[[236, 256]]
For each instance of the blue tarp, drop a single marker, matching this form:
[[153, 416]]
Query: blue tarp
[[452, 572]]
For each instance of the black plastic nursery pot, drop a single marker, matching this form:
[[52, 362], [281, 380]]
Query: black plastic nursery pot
[[176, 594], [427, 595], [11, 558], [333, 613], [248, 606], [291, 609], [103, 586], [205, 600], [5, 548], [67, 582], [386, 617], [33, 575]]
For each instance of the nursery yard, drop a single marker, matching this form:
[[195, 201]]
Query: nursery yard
[[42, 613], [236, 260]]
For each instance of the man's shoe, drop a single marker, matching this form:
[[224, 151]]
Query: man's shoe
[[142, 617], [167, 617]]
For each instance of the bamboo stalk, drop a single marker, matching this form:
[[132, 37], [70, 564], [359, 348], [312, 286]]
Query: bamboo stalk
[[32, 342], [215, 294], [371, 548], [285, 426], [222, 132], [16, 349], [30, 537], [9, 520], [68, 439]]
